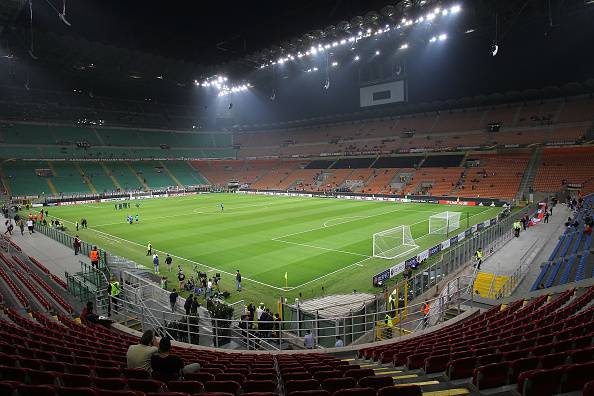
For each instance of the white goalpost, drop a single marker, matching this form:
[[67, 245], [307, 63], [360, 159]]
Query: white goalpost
[[393, 243], [444, 222]]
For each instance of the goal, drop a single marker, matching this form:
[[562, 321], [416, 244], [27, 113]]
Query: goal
[[393, 243], [444, 222]]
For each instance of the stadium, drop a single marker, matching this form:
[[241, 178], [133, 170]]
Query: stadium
[[329, 198]]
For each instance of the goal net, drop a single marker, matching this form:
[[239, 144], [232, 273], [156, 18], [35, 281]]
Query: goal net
[[444, 222], [392, 243]]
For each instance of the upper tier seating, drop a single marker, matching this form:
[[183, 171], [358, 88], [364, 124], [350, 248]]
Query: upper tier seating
[[497, 175], [442, 181], [564, 165]]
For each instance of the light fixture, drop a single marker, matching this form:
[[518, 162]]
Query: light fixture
[[377, 52], [442, 37], [455, 9], [334, 64], [357, 58], [404, 46], [433, 39]]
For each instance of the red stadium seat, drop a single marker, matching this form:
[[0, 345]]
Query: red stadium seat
[[409, 390], [333, 385], [376, 382], [357, 374], [115, 383], [259, 386], [322, 375], [491, 375], [239, 378], [199, 376], [136, 373], [185, 386], [356, 392], [36, 390], [301, 385], [292, 376], [145, 385], [82, 391], [576, 376], [222, 386], [316, 392]]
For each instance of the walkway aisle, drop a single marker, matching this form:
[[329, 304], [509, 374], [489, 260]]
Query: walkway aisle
[[55, 256], [507, 260]]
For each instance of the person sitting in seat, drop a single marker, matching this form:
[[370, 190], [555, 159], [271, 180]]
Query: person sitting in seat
[[87, 316], [139, 356], [169, 367]]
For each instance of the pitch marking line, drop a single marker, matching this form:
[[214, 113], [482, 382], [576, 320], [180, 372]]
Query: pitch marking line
[[288, 289], [280, 239], [194, 211], [344, 222], [360, 263], [178, 257], [322, 248]]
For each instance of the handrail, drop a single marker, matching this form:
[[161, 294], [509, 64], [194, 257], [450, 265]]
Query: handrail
[[518, 275]]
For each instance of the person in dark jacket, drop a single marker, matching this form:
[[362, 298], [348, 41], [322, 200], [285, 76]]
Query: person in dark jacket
[[188, 304]]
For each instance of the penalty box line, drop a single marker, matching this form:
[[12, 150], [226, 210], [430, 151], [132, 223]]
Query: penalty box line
[[179, 257], [360, 262]]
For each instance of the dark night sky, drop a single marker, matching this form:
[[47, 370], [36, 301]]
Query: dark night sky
[[191, 29], [532, 55]]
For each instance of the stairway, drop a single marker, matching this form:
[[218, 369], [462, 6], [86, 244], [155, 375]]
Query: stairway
[[86, 179], [5, 183], [140, 179], [431, 384], [488, 285], [51, 186], [529, 173], [171, 175], [115, 181]]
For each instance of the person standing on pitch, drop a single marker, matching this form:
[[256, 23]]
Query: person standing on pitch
[[222, 207], [149, 249], [238, 281], [168, 261]]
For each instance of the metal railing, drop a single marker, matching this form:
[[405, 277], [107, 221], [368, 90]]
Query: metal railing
[[68, 241], [518, 275], [287, 334]]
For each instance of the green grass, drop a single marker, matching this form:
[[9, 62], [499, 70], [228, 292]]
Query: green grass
[[317, 242]]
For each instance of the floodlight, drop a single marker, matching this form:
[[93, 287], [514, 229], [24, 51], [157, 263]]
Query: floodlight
[[335, 44], [433, 39], [455, 9], [377, 52], [334, 64], [327, 46], [315, 69], [442, 37], [494, 49], [444, 12], [404, 46], [430, 16], [342, 42], [357, 57], [313, 51]]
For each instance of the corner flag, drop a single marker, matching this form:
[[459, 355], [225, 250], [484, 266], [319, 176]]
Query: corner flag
[[286, 279]]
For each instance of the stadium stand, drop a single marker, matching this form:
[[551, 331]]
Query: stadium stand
[[496, 175], [560, 166], [570, 260]]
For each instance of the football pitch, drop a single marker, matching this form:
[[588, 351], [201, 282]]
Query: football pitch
[[316, 242]]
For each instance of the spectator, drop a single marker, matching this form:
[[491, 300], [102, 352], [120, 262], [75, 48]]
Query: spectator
[[588, 229], [181, 277], [195, 306], [308, 341], [546, 217], [76, 244], [188, 304], [139, 356], [238, 281], [339, 343], [168, 261], [169, 367], [156, 263], [88, 316], [173, 299]]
